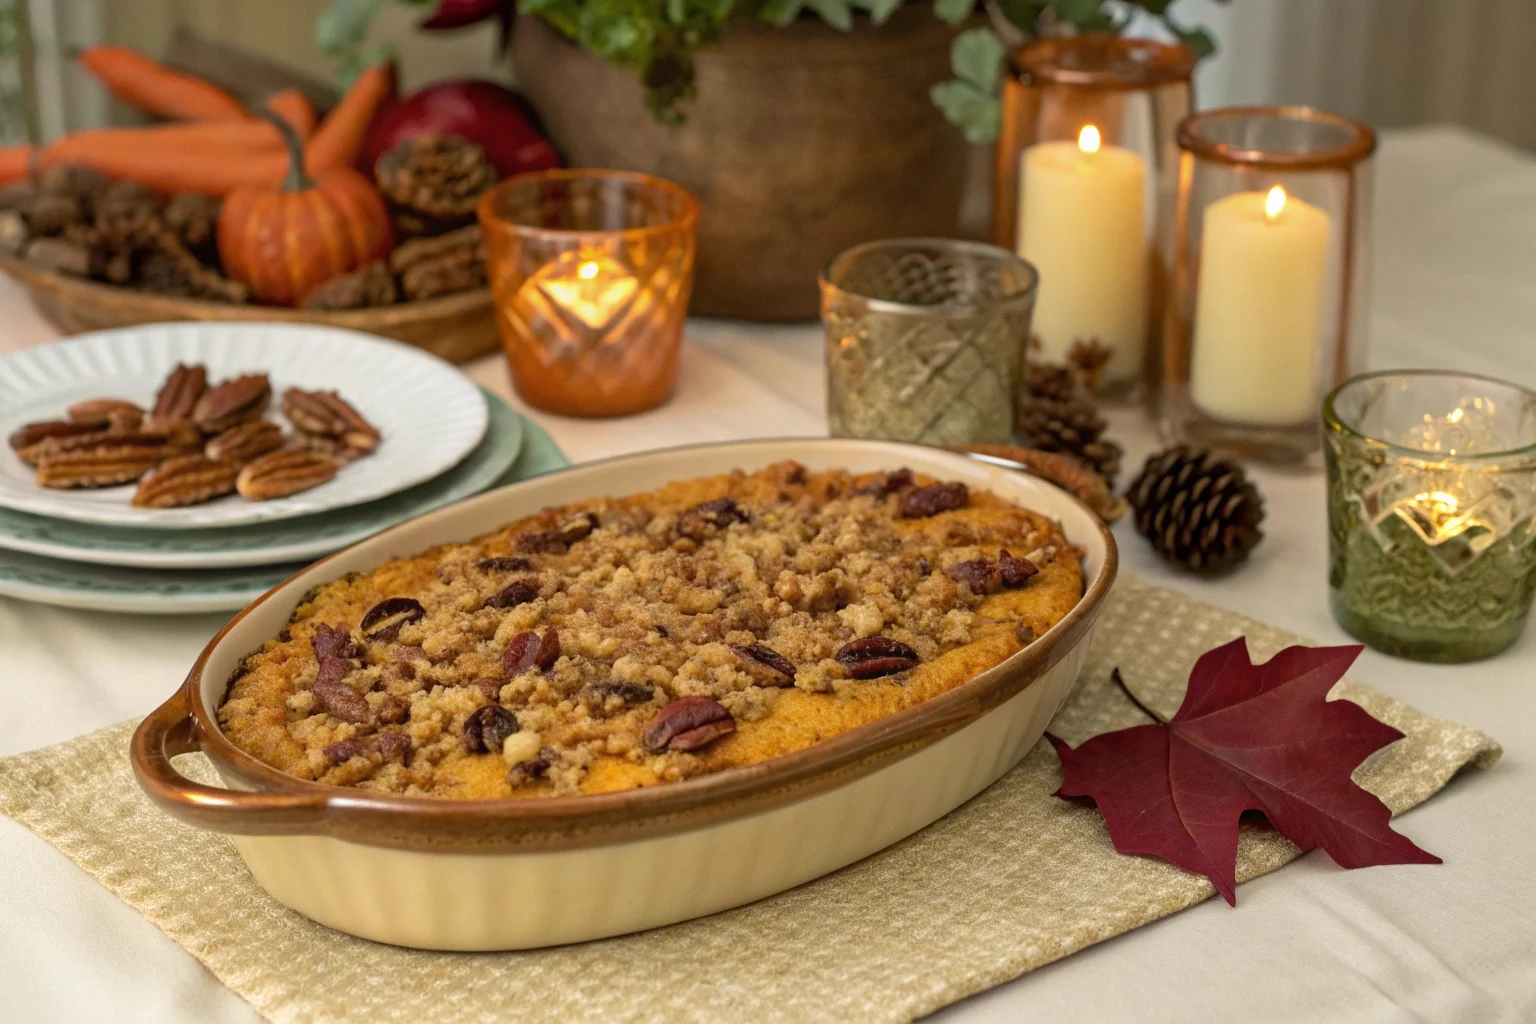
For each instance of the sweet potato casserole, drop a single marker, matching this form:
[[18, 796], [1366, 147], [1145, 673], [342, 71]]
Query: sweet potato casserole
[[631, 641]]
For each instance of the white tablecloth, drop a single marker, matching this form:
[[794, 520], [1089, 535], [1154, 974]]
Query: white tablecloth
[[1454, 286]]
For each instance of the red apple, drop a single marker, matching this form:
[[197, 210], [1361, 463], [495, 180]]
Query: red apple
[[485, 113]]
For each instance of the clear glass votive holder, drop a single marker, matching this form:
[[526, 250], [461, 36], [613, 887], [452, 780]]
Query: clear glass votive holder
[[1084, 188], [925, 340], [1269, 298], [1431, 512], [590, 273]]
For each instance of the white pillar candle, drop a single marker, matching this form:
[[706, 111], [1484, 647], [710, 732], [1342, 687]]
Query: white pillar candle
[[1257, 309], [1082, 223]]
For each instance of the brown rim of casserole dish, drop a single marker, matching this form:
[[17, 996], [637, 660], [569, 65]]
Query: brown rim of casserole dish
[[280, 804]]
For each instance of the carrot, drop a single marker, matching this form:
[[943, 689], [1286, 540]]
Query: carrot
[[15, 163], [294, 107], [145, 83], [208, 168], [340, 136], [251, 134]]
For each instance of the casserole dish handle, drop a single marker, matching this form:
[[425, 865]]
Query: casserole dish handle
[[170, 730]]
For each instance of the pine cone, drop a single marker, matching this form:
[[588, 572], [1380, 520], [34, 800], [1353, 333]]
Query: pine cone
[[1058, 415], [1199, 512], [433, 182]]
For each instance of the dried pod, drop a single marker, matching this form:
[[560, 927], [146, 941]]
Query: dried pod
[[873, 656], [185, 480], [529, 650], [783, 670], [487, 728], [385, 620], [688, 723], [232, 402]]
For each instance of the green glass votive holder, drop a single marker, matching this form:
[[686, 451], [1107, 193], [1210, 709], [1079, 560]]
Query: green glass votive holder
[[1431, 512]]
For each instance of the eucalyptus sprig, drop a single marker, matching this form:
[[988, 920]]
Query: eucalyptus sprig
[[970, 100]]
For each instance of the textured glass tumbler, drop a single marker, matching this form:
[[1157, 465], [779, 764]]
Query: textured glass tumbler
[[925, 340], [1431, 512], [590, 272]]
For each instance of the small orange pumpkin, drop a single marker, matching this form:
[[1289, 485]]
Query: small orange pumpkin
[[284, 243]]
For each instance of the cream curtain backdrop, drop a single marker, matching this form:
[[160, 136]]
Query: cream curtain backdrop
[[1388, 62]]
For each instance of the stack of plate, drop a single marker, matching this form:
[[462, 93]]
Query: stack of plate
[[443, 439]]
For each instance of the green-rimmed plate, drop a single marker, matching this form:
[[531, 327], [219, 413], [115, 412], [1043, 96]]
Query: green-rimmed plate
[[287, 540], [181, 591]]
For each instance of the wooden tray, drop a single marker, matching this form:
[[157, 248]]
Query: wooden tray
[[456, 327]]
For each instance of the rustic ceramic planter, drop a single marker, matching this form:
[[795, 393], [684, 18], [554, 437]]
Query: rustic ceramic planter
[[803, 141]]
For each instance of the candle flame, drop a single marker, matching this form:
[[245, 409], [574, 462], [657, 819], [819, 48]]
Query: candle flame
[[1274, 202], [1088, 139], [587, 271]]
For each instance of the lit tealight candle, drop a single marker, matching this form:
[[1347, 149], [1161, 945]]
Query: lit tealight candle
[[1257, 309], [596, 293], [1082, 223]]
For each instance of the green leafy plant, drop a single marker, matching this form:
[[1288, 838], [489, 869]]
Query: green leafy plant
[[658, 39]]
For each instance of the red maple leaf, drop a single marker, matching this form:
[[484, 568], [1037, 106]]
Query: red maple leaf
[[1247, 738]]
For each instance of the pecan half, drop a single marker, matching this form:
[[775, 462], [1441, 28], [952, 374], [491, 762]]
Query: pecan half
[[179, 395], [29, 442], [395, 746], [559, 540], [688, 723], [487, 728], [505, 563], [334, 642], [342, 751], [185, 480], [978, 574], [513, 594], [1015, 571], [281, 473], [106, 413], [872, 656], [527, 650], [933, 499], [241, 444], [696, 522], [335, 447], [232, 402], [385, 620], [339, 700], [329, 415], [104, 459], [783, 670], [895, 480]]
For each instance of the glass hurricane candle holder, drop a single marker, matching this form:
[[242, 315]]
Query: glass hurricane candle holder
[[590, 272], [1431, 512], [1269, 296], [925, 340], [1084, 190]]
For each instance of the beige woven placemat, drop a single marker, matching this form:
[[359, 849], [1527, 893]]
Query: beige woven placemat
[[1007, 883]]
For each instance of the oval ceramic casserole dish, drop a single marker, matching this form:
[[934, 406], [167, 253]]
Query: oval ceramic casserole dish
[[514, 874]]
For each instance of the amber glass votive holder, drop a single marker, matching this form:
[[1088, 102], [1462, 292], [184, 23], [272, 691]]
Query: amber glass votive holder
[[1431, 512], [590, 272]]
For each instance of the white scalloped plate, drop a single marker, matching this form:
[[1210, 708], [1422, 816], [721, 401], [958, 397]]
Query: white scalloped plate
[[430, 415]]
